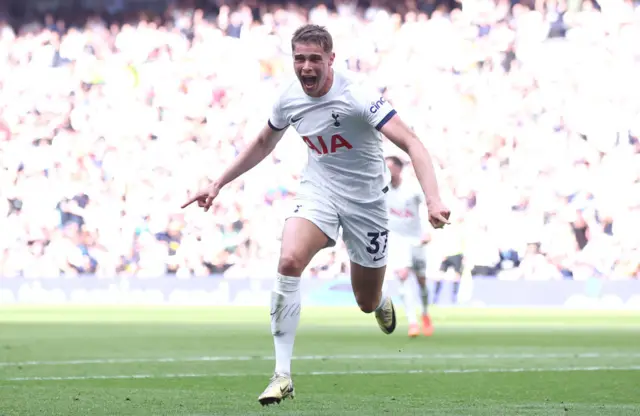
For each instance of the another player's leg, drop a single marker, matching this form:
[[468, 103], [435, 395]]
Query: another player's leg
[[400, 262], [424, 293], [367, 288], [301, 240], [444, 267], [419, 266], [427, 325], [455, 288], [407, 297], [457, 266], [437, 290]]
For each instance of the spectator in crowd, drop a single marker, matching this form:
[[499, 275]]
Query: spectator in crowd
[[530, 109]]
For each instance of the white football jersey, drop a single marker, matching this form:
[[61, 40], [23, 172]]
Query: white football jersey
[[341, 130], [405, 207]]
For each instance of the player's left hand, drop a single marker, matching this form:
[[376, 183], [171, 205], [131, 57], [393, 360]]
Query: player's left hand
[[438, 214]]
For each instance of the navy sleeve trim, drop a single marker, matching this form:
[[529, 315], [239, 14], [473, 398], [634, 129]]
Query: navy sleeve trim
[[386, 119], [274, 127]]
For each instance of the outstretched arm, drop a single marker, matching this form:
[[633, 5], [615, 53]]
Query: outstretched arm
[[402, 136], [253, 154]]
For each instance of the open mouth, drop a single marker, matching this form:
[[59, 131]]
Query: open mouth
[[309, 81]]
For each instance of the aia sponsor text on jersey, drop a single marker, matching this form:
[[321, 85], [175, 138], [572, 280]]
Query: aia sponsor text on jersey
[[324, 146]]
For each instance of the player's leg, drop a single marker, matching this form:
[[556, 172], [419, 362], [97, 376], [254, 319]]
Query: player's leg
[[424, 292], [457, 267], [408, 296], [312, 227], [444, 267], [301, 240], [364, 230], [367, 288], [400, 262], [420, 270]]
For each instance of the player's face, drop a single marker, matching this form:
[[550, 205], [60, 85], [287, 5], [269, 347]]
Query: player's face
[[313, 68]]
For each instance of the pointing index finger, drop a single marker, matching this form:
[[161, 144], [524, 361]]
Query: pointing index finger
[[191, 201]]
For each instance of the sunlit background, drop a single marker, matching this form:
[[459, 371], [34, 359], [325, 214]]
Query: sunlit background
[[113, 111]]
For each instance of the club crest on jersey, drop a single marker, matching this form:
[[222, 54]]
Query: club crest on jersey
[[375, 105], [335, 119]]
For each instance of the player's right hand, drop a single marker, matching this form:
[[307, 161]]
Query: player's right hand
[[438, 214], [204, 197]]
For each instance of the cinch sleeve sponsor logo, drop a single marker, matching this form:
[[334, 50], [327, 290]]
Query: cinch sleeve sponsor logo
[[375, 105]]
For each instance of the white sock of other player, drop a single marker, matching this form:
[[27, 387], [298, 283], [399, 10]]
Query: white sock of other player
[[408, 299], [285, 316]]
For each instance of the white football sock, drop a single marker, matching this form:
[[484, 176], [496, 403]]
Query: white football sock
[[408, 299], [383, 297], [285, 315]]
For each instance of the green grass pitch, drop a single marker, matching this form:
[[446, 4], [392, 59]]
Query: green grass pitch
[[215, 361]]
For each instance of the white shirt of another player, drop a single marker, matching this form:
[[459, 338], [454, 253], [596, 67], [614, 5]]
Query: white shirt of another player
[[341, 130], [406, 205]]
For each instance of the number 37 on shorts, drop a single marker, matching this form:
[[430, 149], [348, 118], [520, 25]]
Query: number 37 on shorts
[[378, 244]]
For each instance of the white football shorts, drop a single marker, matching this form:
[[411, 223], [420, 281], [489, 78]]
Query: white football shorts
[[364, 225]]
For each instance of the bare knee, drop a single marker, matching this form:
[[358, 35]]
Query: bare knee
[[301, 240], [367, 286], [291, 264], [368, 305]]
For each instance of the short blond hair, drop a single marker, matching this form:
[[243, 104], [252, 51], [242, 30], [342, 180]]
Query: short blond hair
[[315, 34]]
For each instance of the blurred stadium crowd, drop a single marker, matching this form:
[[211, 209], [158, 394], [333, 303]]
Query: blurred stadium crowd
[[531, 111]]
